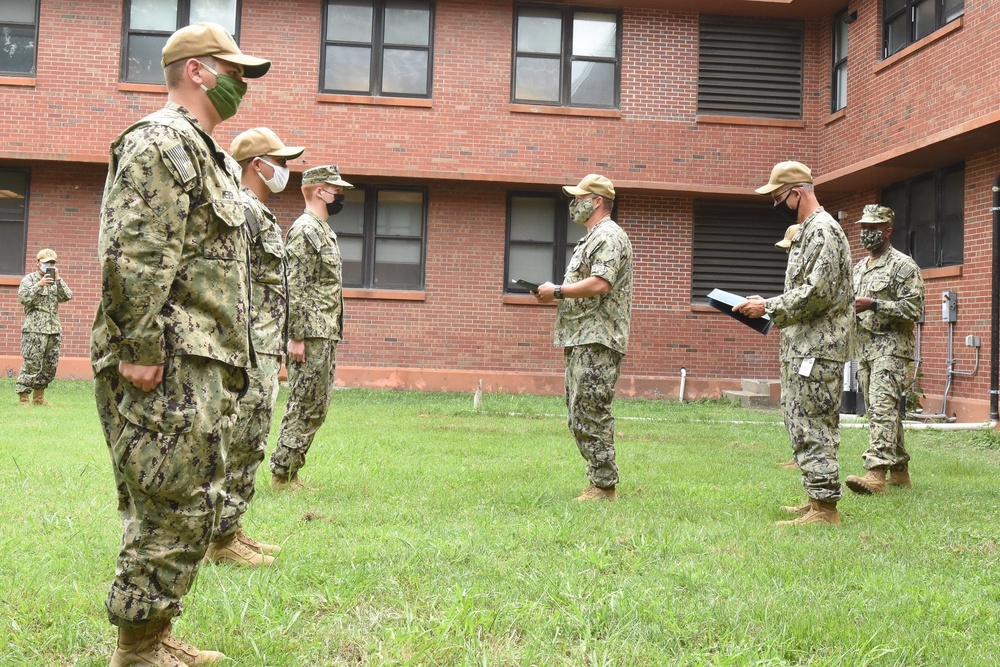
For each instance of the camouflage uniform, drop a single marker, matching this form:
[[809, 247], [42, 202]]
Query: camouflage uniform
[[315, 314], [594, 334], [267, 331], [41, 333], [816, 317], [174, 291], [885, 346]]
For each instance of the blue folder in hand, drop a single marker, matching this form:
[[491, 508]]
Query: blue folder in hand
[[724, 302]]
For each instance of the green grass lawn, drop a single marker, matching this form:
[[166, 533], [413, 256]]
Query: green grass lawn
[[432, 534]]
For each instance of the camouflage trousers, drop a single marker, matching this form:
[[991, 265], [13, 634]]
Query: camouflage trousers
[[310, 388], [167, 451], [40, 352], [248, 443], [591, 374], [811, 408], [883, 381]]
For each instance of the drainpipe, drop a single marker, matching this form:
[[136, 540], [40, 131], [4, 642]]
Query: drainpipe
[[684, 374], [994, 308]]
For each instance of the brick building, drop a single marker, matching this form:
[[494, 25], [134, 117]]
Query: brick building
[[459, 120]]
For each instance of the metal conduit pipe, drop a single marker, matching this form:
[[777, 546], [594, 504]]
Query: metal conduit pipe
[[994, 307]]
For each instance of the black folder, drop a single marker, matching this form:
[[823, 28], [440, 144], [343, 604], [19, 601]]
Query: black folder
[[724, 302]]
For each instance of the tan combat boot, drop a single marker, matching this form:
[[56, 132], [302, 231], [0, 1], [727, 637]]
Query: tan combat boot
[[187, 654], [283, 483], [259, 547], [788, 465], [873, 482], [38, 397], [594, 492], [797, 509], [23, 400], [820, 511], [231, 550], [900, 478], [142, 646]]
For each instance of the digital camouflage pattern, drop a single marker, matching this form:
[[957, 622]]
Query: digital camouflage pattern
[[167, 449], [41, 333], [175, 291], [310, 388], [605, 252], [314, 266], [591, 374], [268, 304], [895, 281], [816, 317], [885, 345]]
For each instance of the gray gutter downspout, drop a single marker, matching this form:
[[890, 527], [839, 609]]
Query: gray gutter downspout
[[994, 307]]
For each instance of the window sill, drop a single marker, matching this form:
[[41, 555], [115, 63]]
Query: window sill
[[376, 100], [835, 116], [13, 281], [917, 46], [942, 272], [703, 308], [25, 81], [385, 294], [127, 87], [524, 300], [749, 120], [565, 111]]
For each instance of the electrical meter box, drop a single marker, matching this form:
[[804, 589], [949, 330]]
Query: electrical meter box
[[949, 306]]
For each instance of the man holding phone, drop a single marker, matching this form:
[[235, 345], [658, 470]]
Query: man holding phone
[[40, 293]]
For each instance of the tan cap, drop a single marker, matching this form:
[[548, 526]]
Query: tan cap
[[594, 184], [210, 39], [790, 234], [876, 215], [786, 173], [328, 174], [46, 255], [260, 142]]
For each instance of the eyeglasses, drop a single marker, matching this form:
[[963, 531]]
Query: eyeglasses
[[784, 195]]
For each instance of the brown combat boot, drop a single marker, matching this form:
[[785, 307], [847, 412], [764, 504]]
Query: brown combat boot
[[38, 397], [142, 646], [259, 547], [594, 492], [797, 509], [233, 551], [872, 483], [284, 483], [788, 465], [23, 400], [820, 511], [900, 478], [187, 654]]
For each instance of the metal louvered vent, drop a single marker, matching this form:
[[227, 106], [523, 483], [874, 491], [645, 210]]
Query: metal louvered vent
[[750, 67]]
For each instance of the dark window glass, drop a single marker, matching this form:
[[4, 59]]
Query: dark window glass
[[13, 220], [540, 238], [148, 24], [929, 222], [906, 21], [378, 47], [566, 57], [838, 85], [18, 36], [382, 234]]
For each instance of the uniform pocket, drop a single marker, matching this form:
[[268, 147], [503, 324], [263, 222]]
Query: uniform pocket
[[224, 239], [154, 427]]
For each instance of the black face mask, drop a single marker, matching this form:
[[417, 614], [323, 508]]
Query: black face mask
[[336, 206], [786, 211]]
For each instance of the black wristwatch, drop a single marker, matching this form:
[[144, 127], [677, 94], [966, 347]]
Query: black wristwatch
[[874, 306], [558, 293]]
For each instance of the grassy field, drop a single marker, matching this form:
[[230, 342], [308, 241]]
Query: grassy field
[[432, 534]]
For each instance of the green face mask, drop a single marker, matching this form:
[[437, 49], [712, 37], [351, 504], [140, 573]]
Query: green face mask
[[226, 95]]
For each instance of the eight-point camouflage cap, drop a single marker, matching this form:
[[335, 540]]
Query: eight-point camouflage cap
[[876, 215], [46, 255], [328, 174], [789, 235], [786, 173], [210, 39], [260, 142], [591, 184]]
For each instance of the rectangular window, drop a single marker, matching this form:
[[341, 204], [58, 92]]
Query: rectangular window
[[13, 220], [908, 21], [18, 37], [148, 24], [382, 233], [566, 56], [930, 217], [750, 67], [378, 47], [540, 238], [838, 86], [733, 249]]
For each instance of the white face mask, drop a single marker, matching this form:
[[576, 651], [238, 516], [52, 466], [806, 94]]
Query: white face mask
[[277, 182]]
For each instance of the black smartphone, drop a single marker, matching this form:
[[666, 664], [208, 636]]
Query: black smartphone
[[51, 272]]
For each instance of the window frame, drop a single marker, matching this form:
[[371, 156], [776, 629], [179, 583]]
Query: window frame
[[378, 46], [18, 269], [183, 20], [903, 231], [369, 236], [908, 10], [566, 57], [839, 64], [34, 64]]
